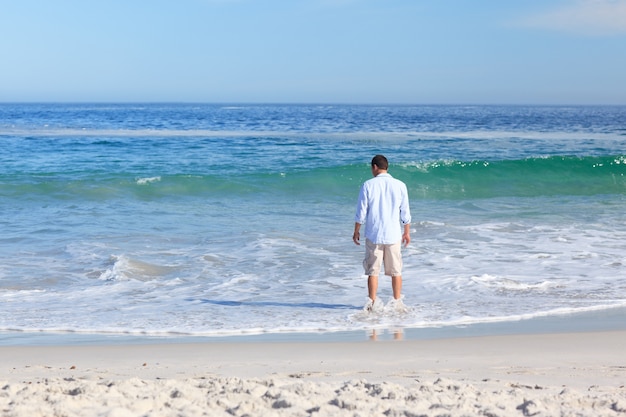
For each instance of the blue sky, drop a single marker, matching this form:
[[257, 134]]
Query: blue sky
[[315, 51]]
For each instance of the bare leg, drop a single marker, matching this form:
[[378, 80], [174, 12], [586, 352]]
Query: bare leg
[[372, 286], [396, 284]]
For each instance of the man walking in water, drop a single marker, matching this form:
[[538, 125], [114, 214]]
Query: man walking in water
[[383, 206]]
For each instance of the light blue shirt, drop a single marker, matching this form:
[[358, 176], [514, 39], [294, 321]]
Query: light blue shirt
[[383, 205]]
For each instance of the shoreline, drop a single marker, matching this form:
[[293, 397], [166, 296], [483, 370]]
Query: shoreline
[[554, 374], [612, 319]]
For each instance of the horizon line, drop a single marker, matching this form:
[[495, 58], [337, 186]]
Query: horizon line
[[303, 103]]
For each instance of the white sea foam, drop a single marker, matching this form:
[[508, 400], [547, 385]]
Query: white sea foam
[[148, 180], [124, 268], [456, 273], [510, 283]]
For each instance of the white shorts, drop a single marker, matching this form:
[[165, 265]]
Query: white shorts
[[381, 254]]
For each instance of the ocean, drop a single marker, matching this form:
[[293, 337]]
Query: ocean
[[209, 220]]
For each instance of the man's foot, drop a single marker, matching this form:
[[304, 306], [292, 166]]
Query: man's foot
[[373, 306], [396, 305]]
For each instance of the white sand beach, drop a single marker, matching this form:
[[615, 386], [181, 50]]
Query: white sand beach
[[573, 374]]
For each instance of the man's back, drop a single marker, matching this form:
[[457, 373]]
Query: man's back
[[383, 204]]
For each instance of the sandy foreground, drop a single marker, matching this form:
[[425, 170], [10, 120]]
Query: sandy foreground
[[575, 374]]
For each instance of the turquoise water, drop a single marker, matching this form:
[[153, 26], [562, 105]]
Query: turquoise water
[[203, 220]]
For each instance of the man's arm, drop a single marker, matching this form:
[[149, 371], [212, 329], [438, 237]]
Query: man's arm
[[361, 213], [357, 235], [405, 216], [406, 235]]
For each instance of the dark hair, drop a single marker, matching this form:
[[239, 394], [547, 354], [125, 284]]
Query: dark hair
[[381, 162]]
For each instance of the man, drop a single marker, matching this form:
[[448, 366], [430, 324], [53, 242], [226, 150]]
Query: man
[[383, 205]]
